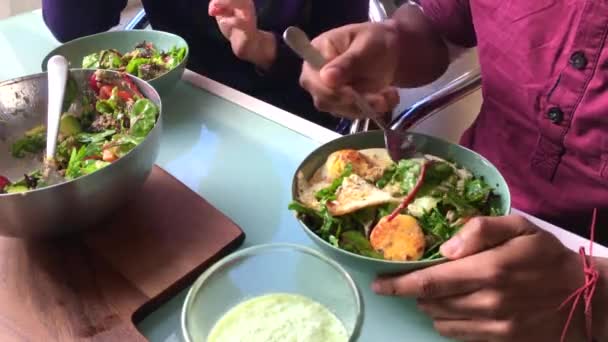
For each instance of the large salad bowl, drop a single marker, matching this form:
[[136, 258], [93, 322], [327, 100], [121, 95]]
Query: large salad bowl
[[74, 205]]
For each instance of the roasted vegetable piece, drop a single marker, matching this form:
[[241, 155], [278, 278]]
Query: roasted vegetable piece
[[400, 239]]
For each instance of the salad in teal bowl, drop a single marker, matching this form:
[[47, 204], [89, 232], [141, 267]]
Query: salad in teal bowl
[[145, 61], [156, 57], [390, 216]]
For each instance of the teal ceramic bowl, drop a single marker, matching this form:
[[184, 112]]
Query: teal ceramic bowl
[[426, 144], [74, 51]]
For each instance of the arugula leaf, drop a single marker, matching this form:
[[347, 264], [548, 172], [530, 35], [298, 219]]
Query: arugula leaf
[[354, 241], [142, 117], [387, 176], [493, 207], [328, 221], [405, 173], [435, 223], [476, 191], [387, 209], [328, 194], [436, 173], [364, 216], [301, 209], [459, 203]]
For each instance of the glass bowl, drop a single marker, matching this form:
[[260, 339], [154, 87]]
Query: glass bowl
[[266, 269]]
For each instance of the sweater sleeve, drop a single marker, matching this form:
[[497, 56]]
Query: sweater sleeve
[[324, 16], [70, 19], [452, 19]]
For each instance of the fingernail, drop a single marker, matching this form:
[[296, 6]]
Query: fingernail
[[377, 287], [452, 247]]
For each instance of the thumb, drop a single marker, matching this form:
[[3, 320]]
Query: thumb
[[344, 68], [483, 233], [339, 72]]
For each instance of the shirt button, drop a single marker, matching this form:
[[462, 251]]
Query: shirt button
[[555, 115], [578, 60]]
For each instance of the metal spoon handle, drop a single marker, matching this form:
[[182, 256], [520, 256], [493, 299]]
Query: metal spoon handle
[[57, 78], [299, 42]]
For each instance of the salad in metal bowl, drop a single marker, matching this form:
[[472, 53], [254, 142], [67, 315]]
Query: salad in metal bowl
[[144, 61], [363, 202], [101, 124]]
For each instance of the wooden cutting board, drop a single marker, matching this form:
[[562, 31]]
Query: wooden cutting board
[[96, 286]]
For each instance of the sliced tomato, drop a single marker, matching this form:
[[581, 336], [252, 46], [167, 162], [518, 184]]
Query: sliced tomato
[[93, 83], [131, 85], [109, 156], [3, 182], [105, 92], [125, 95]]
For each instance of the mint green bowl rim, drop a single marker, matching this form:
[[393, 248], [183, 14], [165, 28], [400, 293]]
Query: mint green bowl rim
[[194, 289], [318, 239], [65, 45]]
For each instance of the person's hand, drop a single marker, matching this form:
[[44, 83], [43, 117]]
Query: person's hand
[[361, 57], [505, 282], [237, 21]]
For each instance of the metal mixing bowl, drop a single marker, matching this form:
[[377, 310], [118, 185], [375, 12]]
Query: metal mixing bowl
[[74, 205]]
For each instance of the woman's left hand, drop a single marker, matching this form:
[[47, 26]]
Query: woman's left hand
[[237, 21], [505, 282]]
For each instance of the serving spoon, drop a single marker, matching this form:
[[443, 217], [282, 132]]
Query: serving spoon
[[399, 144], [57, 76]]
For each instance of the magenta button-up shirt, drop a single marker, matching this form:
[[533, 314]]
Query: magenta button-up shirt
[[544, 118]]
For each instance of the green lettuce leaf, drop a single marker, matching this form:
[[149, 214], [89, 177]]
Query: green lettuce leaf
[[34, 141], [91, 61], [142, 117]]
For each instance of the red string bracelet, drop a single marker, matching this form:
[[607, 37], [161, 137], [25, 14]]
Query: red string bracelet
[[587, 290]]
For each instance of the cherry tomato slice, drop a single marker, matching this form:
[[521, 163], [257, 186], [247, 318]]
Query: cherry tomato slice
[[125, 95], [93, 83], [3, 182], [105, 92], [129, 83]]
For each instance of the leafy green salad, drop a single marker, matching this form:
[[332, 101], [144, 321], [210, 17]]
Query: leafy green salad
[[364, 203], [112, 117], [145, 61]]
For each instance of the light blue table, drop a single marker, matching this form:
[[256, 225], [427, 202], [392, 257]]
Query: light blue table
[[240, 155], [240, 161]]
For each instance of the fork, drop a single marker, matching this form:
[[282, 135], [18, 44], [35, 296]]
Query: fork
[[399, 144]]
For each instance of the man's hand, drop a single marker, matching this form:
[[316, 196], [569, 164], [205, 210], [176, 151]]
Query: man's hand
[[361, 57], [237, 21], [505, 282]]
